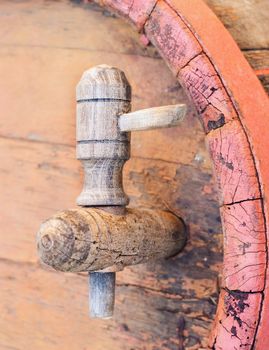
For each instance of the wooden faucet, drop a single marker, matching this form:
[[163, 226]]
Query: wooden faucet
[[102, 236]]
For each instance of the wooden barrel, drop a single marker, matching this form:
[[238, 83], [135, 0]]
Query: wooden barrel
[[45, 46]]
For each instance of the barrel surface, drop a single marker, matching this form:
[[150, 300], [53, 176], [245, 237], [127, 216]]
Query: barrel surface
[[45, 46]]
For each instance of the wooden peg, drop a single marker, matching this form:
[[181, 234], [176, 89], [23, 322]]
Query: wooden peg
[[153, 118], [102, 294]]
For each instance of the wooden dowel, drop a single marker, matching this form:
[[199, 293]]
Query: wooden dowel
[[153, 118], [102, 294]]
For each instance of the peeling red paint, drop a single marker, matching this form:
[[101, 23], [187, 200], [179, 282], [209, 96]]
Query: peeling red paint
[[233, 163], [236, 320], [137, 11], [207, 92], [171, 36], [244, 246]]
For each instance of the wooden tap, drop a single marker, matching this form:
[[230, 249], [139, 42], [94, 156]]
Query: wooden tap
[[104, 237]]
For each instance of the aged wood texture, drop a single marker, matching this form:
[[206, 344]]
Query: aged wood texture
[[236, 320], [44, 49], [103, 123], [177, 20], [40, 309], [250, 32], [207, 92], [233, 162], [102, 94], [84, 239]]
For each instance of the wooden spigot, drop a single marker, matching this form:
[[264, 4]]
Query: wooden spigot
[[104, 236]]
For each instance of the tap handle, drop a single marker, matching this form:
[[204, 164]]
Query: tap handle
[[153, 118]]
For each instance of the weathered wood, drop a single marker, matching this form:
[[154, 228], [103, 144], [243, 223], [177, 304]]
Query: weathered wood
[[249, 31], [31, 307], [153, 118], [244, 246], [236, 319], [103, 98], [93, 239], [259, 59], [102, 94], [233, 163]]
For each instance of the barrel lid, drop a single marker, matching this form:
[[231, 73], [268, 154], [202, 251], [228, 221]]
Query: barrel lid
[[103, 82]]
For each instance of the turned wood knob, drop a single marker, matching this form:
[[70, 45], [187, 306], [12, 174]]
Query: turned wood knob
[[103, 94]]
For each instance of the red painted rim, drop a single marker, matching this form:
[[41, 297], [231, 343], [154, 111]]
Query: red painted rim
[[233, 108]]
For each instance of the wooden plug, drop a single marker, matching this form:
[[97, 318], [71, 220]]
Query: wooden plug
[[90, 239]]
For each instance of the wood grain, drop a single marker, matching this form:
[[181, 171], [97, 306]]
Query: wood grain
[[236, 319], [207, 92], [249, 32], [244, 246], [43, 322], [233, 164], [57, 53], [162, 31]]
